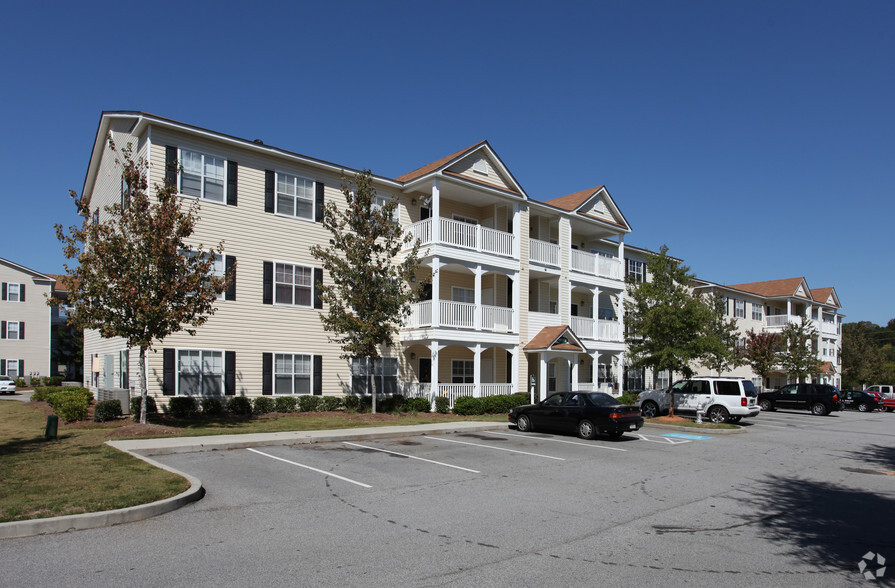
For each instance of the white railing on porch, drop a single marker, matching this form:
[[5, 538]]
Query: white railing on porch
[[828, 328], [497, 318], [454, 391], [465, 235], [461, 315], [779, 320], [596, 329], [457, 314], [543, 252], [596, 265]]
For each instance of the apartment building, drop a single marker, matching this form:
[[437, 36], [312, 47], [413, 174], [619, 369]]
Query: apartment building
[[25, 321], [525, 295], [770, 306]]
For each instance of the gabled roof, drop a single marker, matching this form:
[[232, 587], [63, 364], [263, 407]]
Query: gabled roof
[[574, 201], [62, 282], [827, 368], [776, 288], [551, 339], [826, 296], [435, 165], [581, 204], [33, 273]]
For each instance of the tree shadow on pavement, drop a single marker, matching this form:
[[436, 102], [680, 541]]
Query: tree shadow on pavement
[[828, 525], [876, 456]]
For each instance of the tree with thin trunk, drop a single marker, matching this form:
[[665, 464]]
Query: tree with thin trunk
[[798, 357], [761, 352], [370, 261], [136, 277], [721, 337], [665, 321]]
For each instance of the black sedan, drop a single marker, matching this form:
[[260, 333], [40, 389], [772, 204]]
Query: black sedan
[[859, 400], [587, 413]]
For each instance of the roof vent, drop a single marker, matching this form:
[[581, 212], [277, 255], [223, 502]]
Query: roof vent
[[258, 142]]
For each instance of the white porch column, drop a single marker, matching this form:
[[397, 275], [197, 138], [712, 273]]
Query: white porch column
[[595, 306], [514, 373], [621, 256], [477, 314], [575, 361], [517, 230], [436, 213], [620, 373], [516, 311], [542, 377], [436, 292], [434, 347], [477, 371], [788, 309], [620, 313]]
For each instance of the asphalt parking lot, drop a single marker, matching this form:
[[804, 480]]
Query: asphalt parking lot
[[795, 499]]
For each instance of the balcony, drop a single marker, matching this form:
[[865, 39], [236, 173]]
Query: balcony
[[596, 329], [543, 252], [596, 265], [778, 321], [464, 236], [461, 315], [829, 328]]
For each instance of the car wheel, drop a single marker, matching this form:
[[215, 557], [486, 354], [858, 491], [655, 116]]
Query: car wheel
[[765, 404], [863, 407], [718, 414], [586, 430], [616, 434], [883, 408], [819, 409], [523, 423], [649, 409]]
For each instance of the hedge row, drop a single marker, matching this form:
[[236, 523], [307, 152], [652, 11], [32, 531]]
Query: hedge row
[[69, 403], [502, 403]]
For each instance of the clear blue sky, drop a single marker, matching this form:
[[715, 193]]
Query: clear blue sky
[[755, 139]]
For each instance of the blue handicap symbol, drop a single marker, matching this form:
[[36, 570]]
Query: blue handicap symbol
[[686, 436]]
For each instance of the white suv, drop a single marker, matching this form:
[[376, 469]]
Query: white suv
[[720, 399]]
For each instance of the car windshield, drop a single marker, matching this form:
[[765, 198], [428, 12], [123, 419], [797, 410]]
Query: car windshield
[[601, 399]]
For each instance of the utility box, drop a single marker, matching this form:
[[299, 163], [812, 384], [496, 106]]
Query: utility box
[[52, 426]]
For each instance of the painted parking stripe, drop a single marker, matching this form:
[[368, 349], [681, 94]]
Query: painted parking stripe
[[325, 473], [686, 436], [663, 440], [447, 465], [555, 440], [493, 447]]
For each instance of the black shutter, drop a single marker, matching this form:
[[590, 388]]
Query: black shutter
[[21, 368], [509, 292], [318, 279], [266, 373], [21, 330], [21, 292], [2, 329], [171, 166], [232, 173], [3, 297], [230, 268], [318, 375], [318, 202], [3, 366], [268, 282], [268, 190], [168, 372], [229, 373]]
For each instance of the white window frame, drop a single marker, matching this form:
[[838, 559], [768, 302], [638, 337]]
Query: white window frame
[[739, 308], [467, 370], [13, 362], [637, 269], [202, 374], [9, 294], [310, 286], [292, 373], [359, 369], [480, 166], [202, 176], [460, 294], [312, 199], [18, 330], [465, 219], [757, 311], [379, 202]]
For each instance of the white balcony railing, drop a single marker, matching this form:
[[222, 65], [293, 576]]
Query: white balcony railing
[[778, 321], [463, 235], [453, 391], [596, 265], [543, 252], [596, 329], [497, 318], [828, 328], [457, 314], [461, 315]]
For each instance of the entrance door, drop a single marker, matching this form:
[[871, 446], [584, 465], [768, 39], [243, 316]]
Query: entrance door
[[425, 370], [109, 371]]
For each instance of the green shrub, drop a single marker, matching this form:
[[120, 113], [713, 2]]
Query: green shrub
[[330, 403], [182, 407], [239, 406], [263, 405], [137, 403], [467, 405], [69, 405], [351, 403], [107, 410], [394, 403], [49, 380], [20, 383], [442, 404], [52, 396], [308, 403], [212, 406], [417, 405], [40, 395], [286, 403], [628, 398]]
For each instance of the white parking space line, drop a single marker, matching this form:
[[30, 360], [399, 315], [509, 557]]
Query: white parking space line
[[325, 473], [595, 446], [447, 465], [493, 447], [663, 440]]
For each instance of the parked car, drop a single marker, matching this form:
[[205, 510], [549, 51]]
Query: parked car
[[860, 400], [7, 385], [885, 390], [586, 413], [820, 399], [720, 399]]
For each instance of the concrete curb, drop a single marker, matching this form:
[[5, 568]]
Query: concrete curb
[[697, 430]]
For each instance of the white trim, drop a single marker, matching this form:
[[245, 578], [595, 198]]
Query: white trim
[[273, 375], [276, 193], [274, 285], [204, 154], [223, 353]]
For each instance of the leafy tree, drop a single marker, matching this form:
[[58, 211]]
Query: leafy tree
[[798, 357], [370, 293], [761, 352], [721, 336], [863, 363], [666, 323], [135, 276]]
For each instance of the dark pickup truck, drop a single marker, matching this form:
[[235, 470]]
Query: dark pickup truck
[[820, 399]]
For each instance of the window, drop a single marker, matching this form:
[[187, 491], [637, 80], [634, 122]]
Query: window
[[466, 295], [727, 388], [200, 372], [14, 292], [125, 193], [756, 311], [663, 379], [293, 284], [14, 330], [295, 196], [462, 371], [480, 166], [379, 203], [124, 366], [636, 269], [739, 308], [202, 176], [465, 219], [377, 375], [12, 368], [292, 373]]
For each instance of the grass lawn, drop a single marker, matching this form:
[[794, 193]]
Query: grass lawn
[[78, 473]]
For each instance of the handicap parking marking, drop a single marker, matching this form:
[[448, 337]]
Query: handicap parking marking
[[687, 436], [664, 440]]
